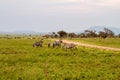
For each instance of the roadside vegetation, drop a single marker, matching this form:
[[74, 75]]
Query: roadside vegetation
[[108, 42]]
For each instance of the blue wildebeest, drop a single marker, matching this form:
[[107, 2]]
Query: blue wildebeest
[[57, 43], [69, 45], [37, 44]]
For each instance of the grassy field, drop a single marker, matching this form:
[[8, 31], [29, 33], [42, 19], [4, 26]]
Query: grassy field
[[110, 42], [20, 61]]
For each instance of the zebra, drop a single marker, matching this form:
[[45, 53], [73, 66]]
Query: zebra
[[57, 43], [69, 46], [37, 44]]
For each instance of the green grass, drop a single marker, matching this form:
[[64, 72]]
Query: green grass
[[20, 61], [109, 42]]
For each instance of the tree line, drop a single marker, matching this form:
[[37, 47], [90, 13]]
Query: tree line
[[105, 33], [86, 34]]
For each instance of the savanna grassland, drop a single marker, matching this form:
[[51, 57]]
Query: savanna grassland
[[20, 61]]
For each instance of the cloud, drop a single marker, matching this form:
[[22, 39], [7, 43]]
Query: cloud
[[109, 3], [45, 14], [84, 6], [31, 7]]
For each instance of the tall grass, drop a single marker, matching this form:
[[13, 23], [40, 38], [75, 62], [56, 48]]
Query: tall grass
[[20, 61]]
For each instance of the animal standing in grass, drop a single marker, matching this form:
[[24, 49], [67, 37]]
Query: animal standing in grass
[[49, 44], [69, 45], [57, 43], [37, 44]]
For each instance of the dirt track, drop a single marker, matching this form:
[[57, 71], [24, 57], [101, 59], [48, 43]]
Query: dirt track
[[92, 46]]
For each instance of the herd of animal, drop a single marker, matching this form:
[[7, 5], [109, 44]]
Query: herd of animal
[[55, 44]]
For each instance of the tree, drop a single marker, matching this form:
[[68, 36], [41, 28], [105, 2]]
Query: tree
[[82, 35], [102, 34], [62, 33], [106, 33], [54, 35], [109, 32], [90, 33], [72, 35], [119, 35], [46, 36]]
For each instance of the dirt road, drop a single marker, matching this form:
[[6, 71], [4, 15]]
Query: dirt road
[[92, 46]]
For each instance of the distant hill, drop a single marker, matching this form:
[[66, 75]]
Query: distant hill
[[96, 28], [25, 32], [20, 32], [100, 28]]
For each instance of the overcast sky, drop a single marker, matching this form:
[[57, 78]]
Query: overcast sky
[[54, 15]]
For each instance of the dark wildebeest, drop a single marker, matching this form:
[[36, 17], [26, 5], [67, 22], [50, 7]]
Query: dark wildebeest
[[57, 43], [37, 44], [48, 44], [69, 46]]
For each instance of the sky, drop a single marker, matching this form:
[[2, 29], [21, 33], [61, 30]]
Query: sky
[[55, 15]]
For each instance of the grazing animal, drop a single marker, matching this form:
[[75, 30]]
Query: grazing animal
[[37, 44], [69, 46], [57, 43], [48, 44]]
